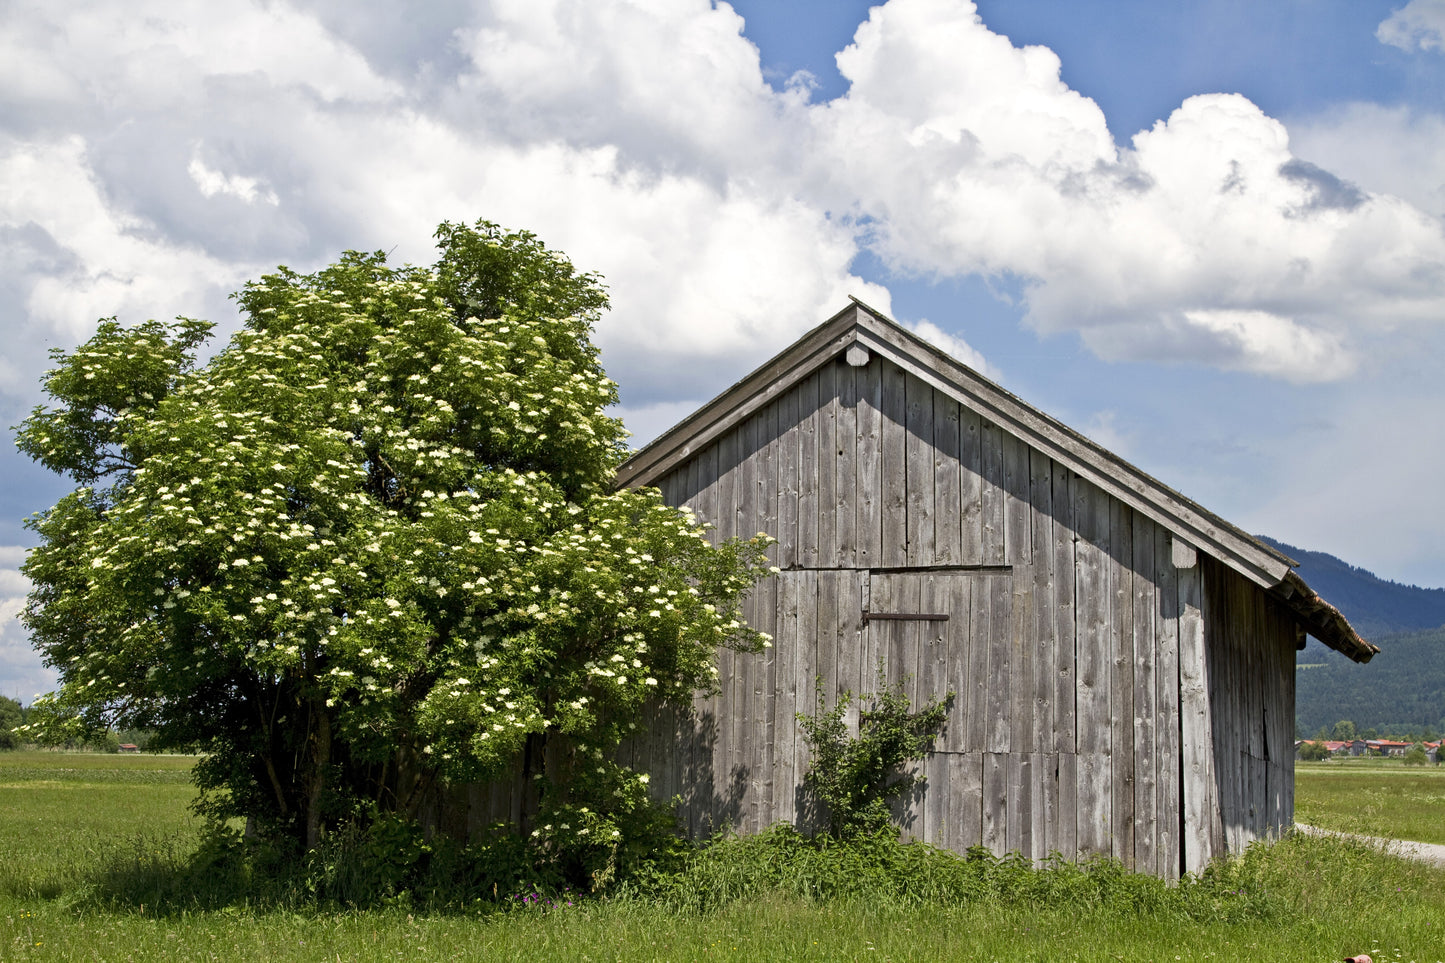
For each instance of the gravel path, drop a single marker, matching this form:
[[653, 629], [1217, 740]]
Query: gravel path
[[1431, 853]]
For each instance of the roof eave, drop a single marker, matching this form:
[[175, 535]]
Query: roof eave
[[1323, 620]]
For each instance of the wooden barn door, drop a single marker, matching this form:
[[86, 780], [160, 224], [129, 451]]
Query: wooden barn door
[[937, 632], [831, 628]]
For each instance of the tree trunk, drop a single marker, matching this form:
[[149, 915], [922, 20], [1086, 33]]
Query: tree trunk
[[320, 763]]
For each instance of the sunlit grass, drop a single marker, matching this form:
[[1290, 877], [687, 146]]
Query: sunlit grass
[[62, 814], [70, 828], [1372, 797]]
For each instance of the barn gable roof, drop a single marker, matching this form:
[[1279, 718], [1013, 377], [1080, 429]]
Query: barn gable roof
[[859, 326]]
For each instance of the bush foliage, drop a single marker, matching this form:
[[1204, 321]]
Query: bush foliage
[[853, 779], [372, 546]]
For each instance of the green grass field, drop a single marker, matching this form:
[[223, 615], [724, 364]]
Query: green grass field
[[74, 829], [1374, 797]]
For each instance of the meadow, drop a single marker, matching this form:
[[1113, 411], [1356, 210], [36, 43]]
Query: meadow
[[80, 836], [1374, 797]]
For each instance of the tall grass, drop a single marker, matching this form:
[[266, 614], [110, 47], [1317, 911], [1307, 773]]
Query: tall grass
[[105, 867]]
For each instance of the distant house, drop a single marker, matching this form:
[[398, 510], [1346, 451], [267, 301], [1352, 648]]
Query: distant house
[[128, 747], [1333, 747], [1388, 747], [1122, 658]]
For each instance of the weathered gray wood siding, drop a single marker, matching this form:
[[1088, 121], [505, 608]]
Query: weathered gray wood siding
[[1250, 640], [1107, 701]]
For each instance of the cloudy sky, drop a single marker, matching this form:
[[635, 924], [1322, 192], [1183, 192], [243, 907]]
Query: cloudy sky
[[1209, 234]]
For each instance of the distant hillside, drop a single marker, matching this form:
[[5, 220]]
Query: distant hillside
[[1401, 688], [1373, 605]]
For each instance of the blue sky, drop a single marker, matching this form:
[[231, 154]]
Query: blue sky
[[1210, 235]]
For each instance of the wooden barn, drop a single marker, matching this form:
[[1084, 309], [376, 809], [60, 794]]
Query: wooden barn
[[1122, 659]]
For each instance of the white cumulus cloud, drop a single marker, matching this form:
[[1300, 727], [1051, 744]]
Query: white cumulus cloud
[[1206, 239]]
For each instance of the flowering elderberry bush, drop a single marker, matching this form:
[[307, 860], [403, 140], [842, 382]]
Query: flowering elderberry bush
[[372, 544]]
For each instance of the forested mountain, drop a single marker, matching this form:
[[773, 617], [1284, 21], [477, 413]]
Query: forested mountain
[[1374, 606], [1402, 688]]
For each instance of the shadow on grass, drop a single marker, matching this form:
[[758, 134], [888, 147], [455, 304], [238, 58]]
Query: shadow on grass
[[1299, 876], [167, 877]]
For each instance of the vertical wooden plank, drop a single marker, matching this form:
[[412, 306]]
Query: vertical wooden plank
[[733, 715], [1091, 514], [1201, 817], [1018, 552], [1225, 720], [869, 484], [1146, 733], [747, 510], [965, 801], [1050, 811], [1043, 638], [811, 630], [878, 636], [1018, 515], [1068, 821], [850, 644], [956, 600], [704, 502], [995, 802], [1121, 685], [761, 677], [827, 655], [809, 477], [914, 637], [935, 799], [992, 500], [875, 634], [768, 488], [769, 692], [1166, 701], [798, 606], [728, 449], [744, 710], [893, 489], [1094, 796], [998, 726], [721, 751], [674, 754], [919, 482], [978, 681], [935, 595], [689, 777], [1062, 603], [907, 656], [1021, 662], [789, 461], [669, 485], [970, 484], [1214, 612], [830, 442], [947, 495], [765, 486], [1019, 829]]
